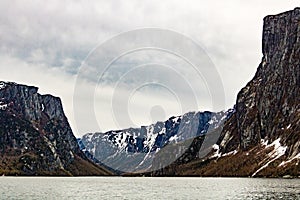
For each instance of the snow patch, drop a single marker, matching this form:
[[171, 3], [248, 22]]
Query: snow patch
[[2, 85], [89, 137], [277, 146], [151, 137], [290, 160], [3, 106], [217, 153], [176, 119], [277, 152], [163, 131], [264, 142], [174, 138], [224, 117], [93, 150], [213, 120], [230, 153], [120, 139]]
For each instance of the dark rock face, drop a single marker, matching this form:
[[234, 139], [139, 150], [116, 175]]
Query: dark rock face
[[270, 102], [268, 107], [262, 138], [35, 135]]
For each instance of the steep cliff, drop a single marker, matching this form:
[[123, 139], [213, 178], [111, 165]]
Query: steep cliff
[[262, 138], [268, 107], [35, 136]]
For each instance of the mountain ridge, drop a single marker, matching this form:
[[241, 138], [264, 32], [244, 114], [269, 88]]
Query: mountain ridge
[[139, 146], [35, 136]]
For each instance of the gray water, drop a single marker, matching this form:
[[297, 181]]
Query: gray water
[[147, 188]]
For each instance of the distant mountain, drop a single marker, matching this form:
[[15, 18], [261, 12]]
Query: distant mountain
[[134, 149], [35, 136], [262, 138]]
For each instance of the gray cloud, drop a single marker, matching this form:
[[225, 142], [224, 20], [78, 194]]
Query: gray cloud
[[47, 41]]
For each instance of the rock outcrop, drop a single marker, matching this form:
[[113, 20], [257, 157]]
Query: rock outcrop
[[262, 138], [268, 107], [35, 136]]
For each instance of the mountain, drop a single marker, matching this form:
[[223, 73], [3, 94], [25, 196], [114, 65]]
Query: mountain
[[35, 136], [135, 149], [262, 138]]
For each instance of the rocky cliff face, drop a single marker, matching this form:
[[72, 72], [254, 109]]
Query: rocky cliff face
[[35, 136], [268, 107], [262, 138]]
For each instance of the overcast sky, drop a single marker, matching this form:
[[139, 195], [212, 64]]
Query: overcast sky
[[46, 43]]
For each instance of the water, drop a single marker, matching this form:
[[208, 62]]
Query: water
[[147, 188]]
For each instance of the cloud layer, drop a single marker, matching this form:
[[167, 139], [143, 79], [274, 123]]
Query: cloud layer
[[44, 44]]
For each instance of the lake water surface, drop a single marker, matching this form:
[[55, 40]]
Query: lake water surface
[[147, 188]]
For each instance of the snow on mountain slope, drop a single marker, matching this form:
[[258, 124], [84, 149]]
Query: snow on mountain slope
[[133, 149]]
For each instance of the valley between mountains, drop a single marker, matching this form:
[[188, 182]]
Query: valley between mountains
[[258, 137]]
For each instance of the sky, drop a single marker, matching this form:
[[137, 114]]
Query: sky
[[96, 56]]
